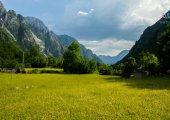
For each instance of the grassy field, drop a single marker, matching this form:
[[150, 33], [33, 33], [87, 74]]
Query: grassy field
[[59, 70], [82, 97]]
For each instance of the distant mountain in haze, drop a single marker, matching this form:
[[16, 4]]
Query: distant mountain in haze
[[112, 60]]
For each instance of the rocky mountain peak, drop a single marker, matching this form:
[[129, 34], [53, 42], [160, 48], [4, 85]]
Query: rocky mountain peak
[[2, 9], [1, 5], [38, 24]]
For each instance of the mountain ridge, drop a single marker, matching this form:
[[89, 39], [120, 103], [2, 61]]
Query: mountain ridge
[[113, 59]]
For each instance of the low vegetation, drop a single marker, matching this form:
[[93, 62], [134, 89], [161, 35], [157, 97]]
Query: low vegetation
[[82, 97]]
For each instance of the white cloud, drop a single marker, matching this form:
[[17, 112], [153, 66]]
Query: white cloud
[[91, 10], [110, 47], [145, 13], [82, 13]]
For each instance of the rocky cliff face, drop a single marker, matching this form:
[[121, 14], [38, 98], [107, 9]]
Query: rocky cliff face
[[16, 26], [48, 38]]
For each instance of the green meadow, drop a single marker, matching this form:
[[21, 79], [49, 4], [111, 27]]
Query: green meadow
[[83, 97]]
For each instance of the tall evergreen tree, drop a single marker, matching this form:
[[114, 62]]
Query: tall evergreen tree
[[72, 58]]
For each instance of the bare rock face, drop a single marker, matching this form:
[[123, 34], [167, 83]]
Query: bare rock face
[[2, 13], [2, 9], [53, 47]]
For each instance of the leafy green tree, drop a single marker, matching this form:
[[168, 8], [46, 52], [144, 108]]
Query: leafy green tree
[[38, 62], [88, 66], [148, 61], [55, 62], [105, 69], [74, 63], [129, 67], [36, 59], [10, 53], [92, 66], [51, 61], [72, 59], [118, 69], [59, 63]]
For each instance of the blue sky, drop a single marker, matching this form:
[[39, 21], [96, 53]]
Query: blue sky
[[105, 26]]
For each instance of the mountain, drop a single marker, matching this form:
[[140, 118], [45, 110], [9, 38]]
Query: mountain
[[47, 39], [156, 40], [29, 31], [112, 60], [66, 40]]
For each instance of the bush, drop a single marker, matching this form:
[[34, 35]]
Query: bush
[[39, 62], [87, 66], [105, 69], [118, 69], [20, 70], [49, 71], [35, 71]]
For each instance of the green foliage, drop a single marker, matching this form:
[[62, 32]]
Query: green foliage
[[164, 50], [35, 71], [148, 61], [74, 63], [55, 62], [37, 60], [87, 66], [129, 67], [10, 53], [105, 69], [72, 59], [118, 69], [154, 39]]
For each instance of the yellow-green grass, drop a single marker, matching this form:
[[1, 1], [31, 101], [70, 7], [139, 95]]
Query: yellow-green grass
[[47, 69], [83, 97]]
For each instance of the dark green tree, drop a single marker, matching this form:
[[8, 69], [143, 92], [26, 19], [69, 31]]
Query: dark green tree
[[118, 69], [72, 59], [74, 63], [163, 50], [129, 67], [87, 66], [148, 61], [10, 53], [36, 59], [105, 69]]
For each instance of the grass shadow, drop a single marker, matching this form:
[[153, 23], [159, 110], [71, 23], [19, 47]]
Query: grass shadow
[[160, 83]]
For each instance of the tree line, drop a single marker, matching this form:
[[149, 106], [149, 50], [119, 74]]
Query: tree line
[[72, 62]]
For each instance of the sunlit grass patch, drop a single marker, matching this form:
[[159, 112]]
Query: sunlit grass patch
[[91, 97], [44, 70]]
